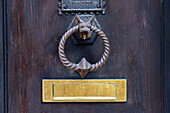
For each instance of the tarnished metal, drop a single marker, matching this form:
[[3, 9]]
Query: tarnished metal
[[85, 6], [84, 27], [92, 36], [83, 67], [106, 90]]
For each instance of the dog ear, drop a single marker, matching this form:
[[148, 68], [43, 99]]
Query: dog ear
[[91, 20], [79, 20]]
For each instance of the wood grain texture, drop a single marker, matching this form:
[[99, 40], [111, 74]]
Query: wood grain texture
[[166, 55], [134, 31], [1, 60]]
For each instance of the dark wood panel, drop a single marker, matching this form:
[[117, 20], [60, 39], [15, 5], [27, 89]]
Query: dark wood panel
[[1, 60], [134, 31], [166, 55]]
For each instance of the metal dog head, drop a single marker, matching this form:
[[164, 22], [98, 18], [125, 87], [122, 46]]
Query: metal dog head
[[84, 27]]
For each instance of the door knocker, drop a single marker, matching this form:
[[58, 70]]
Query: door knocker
[[85, 28]]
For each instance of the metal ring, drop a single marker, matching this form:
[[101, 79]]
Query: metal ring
[[86, 66]]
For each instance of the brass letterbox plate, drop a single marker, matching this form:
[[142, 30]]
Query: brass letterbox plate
[[86, 90]]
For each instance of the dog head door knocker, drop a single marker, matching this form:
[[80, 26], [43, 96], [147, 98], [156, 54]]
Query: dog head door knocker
[[84, 28]]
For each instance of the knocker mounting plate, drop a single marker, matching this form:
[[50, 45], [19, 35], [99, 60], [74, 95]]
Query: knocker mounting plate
[[85, 6]]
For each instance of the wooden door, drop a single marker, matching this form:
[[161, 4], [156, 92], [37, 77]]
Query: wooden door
[[32, 30]]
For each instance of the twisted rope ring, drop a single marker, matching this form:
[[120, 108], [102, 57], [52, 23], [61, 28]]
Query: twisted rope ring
[[74, 66]]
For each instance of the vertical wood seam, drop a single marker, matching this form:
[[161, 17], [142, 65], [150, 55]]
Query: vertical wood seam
[[162, 54], [2, 62], [5, 56], [166, 60]]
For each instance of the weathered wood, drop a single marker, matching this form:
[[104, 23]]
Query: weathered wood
[[166, 48], [1, 60], [134, 31]]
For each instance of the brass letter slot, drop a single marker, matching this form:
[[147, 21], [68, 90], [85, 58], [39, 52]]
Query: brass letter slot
[[107, 90]]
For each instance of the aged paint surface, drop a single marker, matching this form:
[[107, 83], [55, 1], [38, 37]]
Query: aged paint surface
[[1, 60], [166, 50], [134, 31]]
